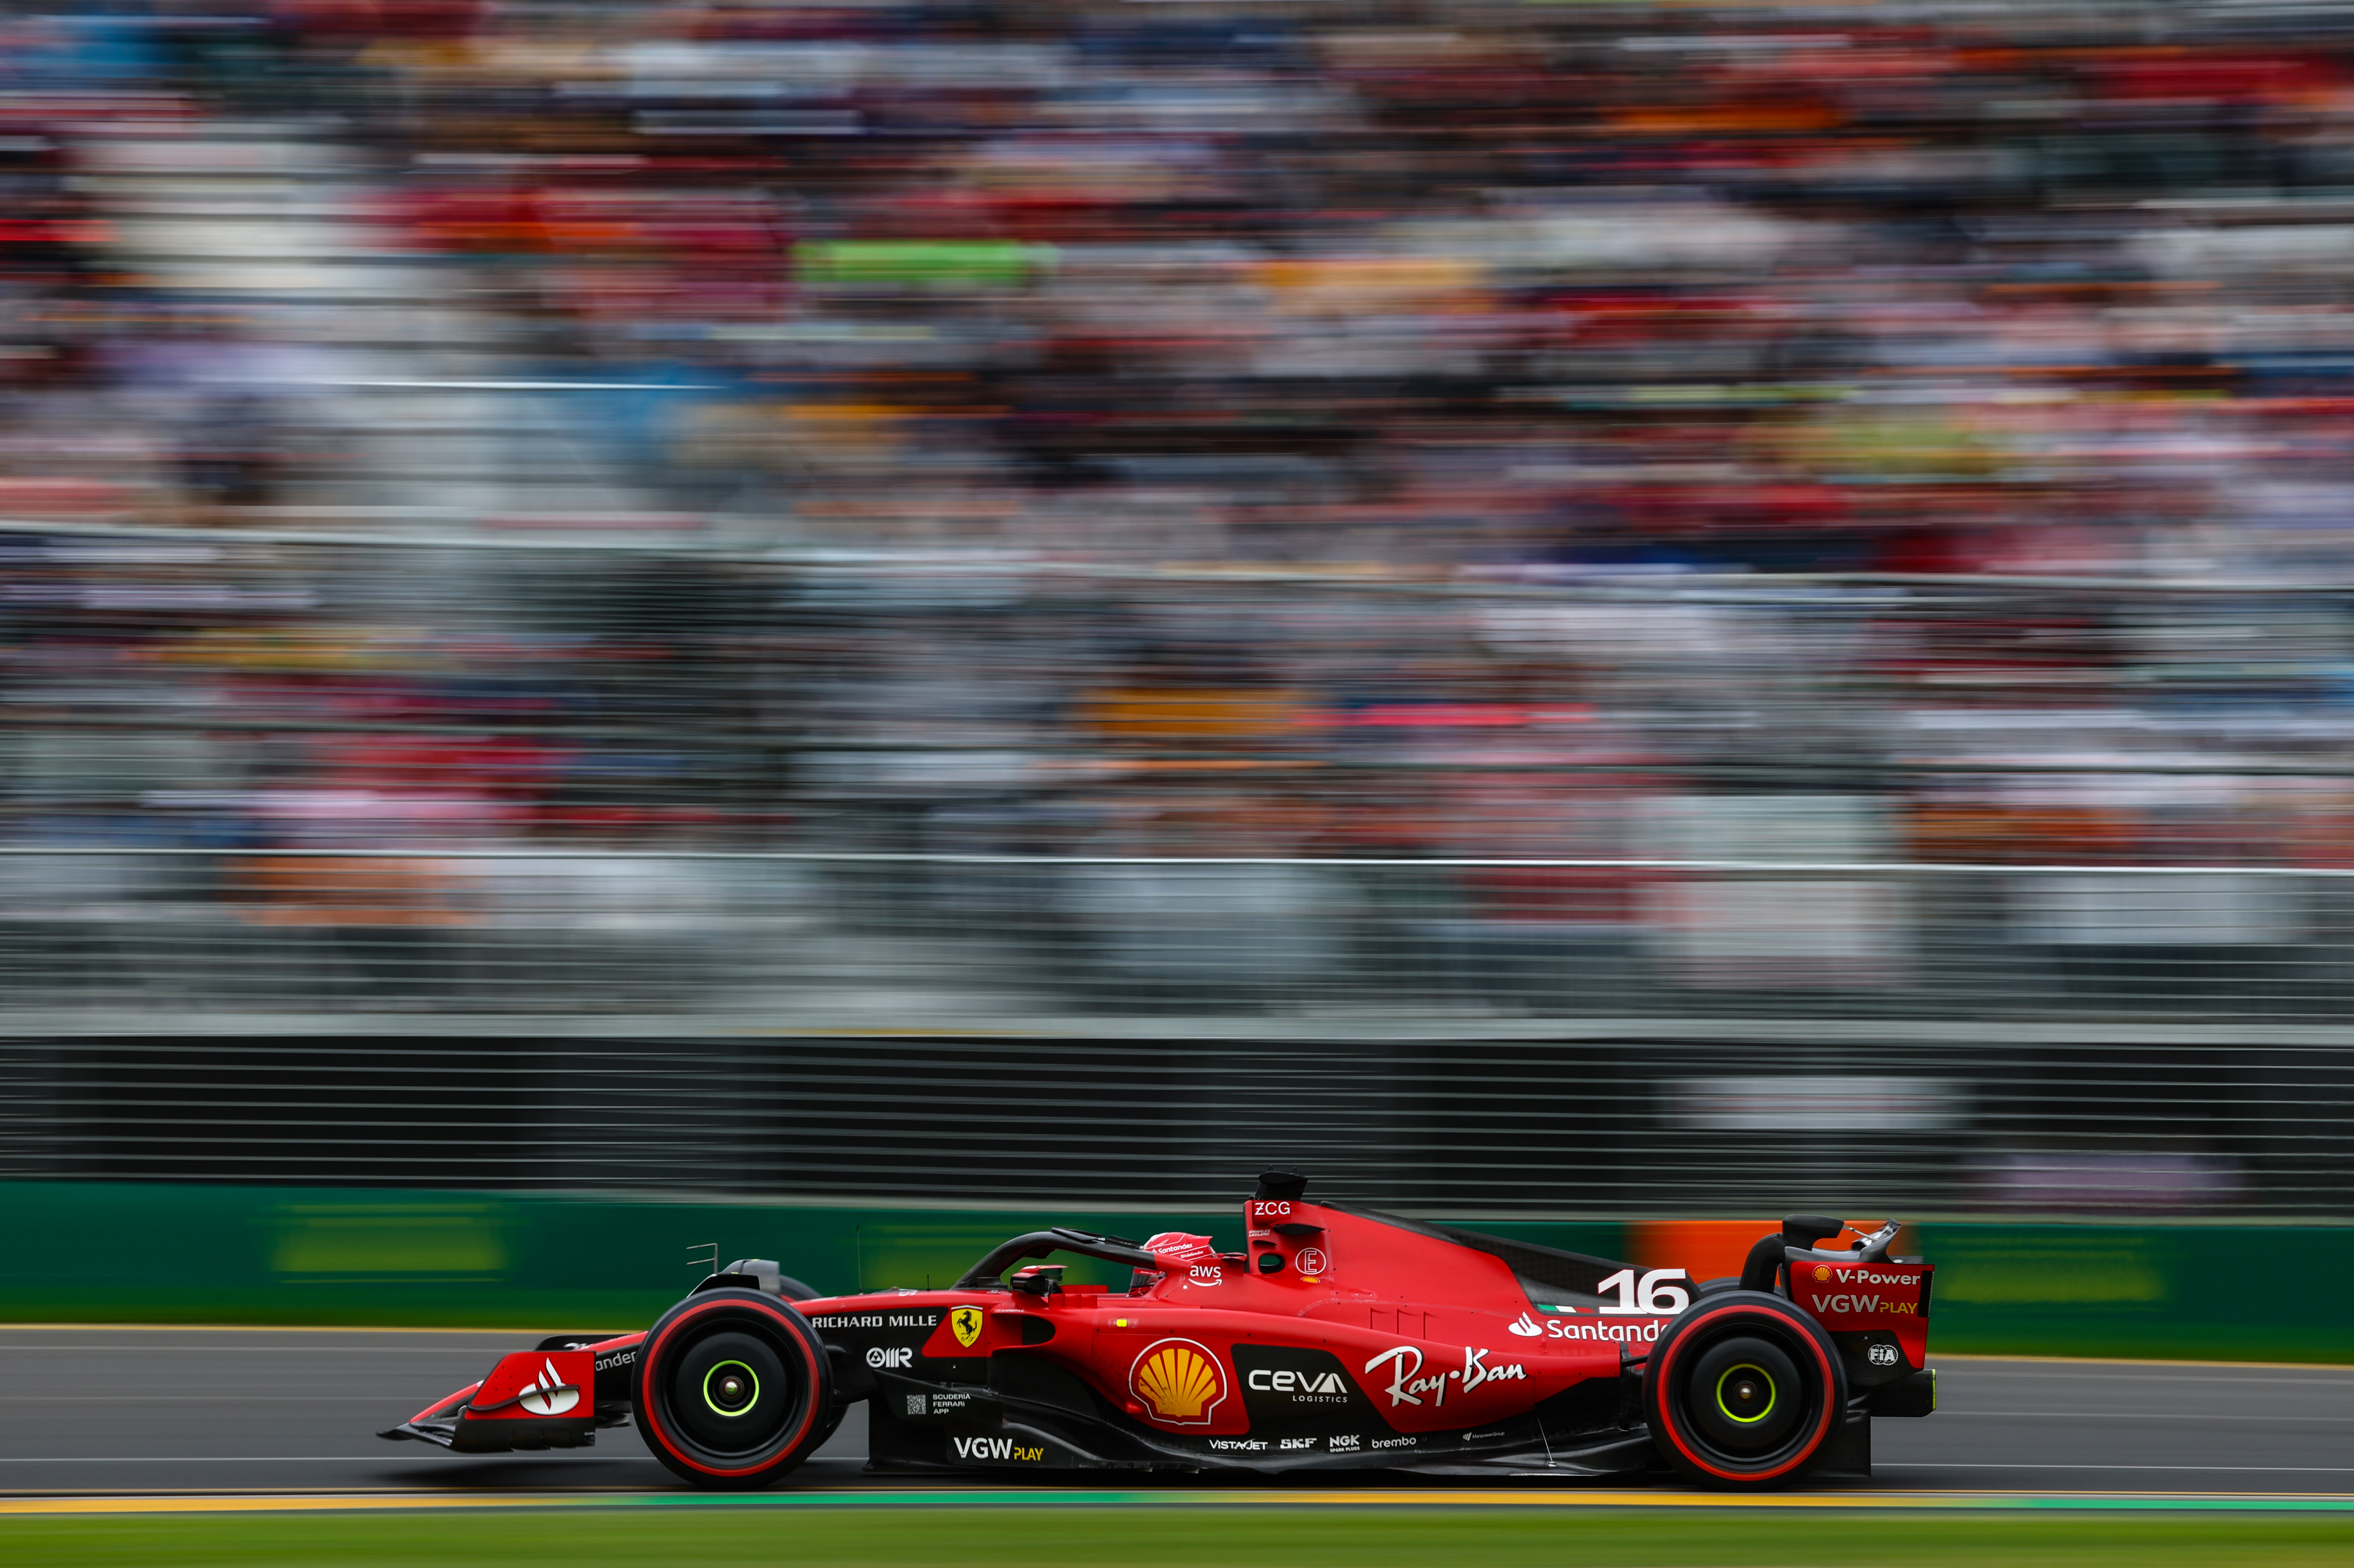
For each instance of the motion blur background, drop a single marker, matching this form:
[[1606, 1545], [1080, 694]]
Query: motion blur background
[[1540, 608]]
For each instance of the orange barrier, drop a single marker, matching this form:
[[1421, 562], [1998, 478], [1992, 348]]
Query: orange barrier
[[1706, 1249]]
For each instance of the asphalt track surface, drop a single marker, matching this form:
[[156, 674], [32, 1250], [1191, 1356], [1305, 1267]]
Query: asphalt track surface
[[154, 1412]]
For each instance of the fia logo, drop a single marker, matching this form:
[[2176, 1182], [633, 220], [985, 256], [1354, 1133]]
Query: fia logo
[[964, 1322], [1882, 1355]]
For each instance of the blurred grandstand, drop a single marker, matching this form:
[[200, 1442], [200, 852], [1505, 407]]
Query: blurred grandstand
[[1528, 579]]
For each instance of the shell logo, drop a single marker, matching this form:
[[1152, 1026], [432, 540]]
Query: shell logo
[[1179, 1381], [1822, 1272]]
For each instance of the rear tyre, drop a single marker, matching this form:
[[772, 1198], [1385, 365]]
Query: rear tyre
[[1745, 1392], [733, 1389]]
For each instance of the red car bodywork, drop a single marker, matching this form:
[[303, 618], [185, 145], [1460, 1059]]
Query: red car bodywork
[[1338, 1338]]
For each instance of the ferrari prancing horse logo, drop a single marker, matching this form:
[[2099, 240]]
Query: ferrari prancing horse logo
[[965, 1323]]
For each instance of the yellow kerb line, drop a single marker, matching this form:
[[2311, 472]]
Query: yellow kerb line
[[314, 1504], [88, 1506]]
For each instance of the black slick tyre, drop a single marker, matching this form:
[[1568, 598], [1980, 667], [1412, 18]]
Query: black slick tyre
[[1745, 1392], [733, 1389]]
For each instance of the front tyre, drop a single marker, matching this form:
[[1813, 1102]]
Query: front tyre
[[733, 1389], [1745, 1392]]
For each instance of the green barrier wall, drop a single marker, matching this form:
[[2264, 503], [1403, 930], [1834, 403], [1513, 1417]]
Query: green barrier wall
[[104, 1252]]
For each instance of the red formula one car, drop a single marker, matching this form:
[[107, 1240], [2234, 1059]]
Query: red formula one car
[[1339, 1338]]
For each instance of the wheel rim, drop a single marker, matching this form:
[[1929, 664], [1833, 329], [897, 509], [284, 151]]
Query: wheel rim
[[731, 1389], [1743, 1398], [1746, 1394], [728, 1395]]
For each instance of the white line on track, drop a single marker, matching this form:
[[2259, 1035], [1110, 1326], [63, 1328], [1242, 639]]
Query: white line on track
[[288, 1329], [1601, 1498], [2266, 1416], [2159, 1372], [2201, 1469], [246, 1350], [226, 1397], [1942, 1357], [213, 1459]]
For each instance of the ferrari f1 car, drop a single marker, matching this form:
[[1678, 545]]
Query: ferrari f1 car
[[1339, 1339]]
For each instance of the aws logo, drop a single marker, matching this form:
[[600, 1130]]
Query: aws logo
[[1179, 1381]]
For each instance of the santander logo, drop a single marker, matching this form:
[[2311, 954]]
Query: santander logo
[[1526, 1327], [550, 1395]]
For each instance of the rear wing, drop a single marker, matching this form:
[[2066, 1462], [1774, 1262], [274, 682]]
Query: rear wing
[[1875, 1307]]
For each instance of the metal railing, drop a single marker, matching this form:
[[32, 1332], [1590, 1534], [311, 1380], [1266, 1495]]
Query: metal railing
[[1517, 1036], [804, 938], [519, 863]]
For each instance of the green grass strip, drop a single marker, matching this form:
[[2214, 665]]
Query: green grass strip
[[1783, 1502], [1174, 1538]]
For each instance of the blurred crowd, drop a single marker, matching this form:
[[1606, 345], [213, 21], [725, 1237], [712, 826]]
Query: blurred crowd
[[855, 426], [1935, 287]]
